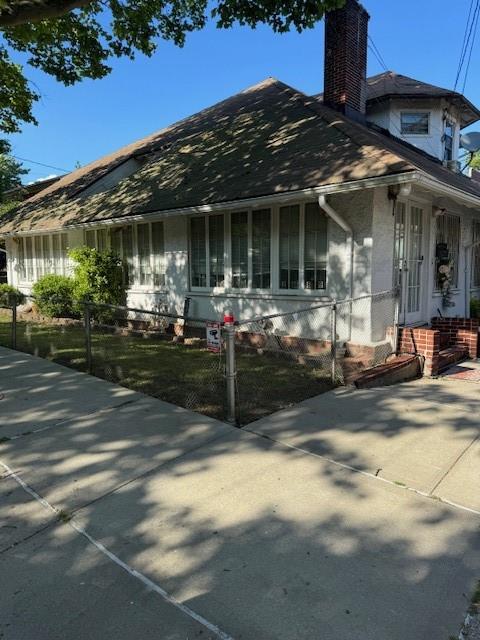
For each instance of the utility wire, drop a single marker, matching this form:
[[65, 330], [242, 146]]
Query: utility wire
[[464, 47], [49, 166], [475, 30]]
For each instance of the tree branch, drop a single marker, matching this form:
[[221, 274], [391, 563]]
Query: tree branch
[[16, 13]]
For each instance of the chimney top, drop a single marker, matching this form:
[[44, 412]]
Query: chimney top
[[346, 44]]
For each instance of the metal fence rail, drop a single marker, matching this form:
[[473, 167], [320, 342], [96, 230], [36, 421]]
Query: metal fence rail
[[257, 365]]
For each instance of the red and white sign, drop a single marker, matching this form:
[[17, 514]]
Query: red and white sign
[[214, 336]]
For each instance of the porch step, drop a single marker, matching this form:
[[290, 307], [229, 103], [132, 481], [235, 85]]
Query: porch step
[[451, 356], [399, 369]]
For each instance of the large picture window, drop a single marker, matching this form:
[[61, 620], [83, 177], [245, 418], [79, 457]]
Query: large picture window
[[41, 255], [447, 246]]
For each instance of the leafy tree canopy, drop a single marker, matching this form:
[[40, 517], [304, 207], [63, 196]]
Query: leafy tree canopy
[[11, 172], [76, 39]]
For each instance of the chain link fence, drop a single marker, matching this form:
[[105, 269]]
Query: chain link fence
[[253, 367]]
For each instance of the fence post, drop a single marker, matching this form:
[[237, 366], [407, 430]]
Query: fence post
[[14, 321], [88, 335], [396, 320], [334, 341], [230, 368]]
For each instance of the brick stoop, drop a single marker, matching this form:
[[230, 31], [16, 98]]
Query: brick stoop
[[451, 356]]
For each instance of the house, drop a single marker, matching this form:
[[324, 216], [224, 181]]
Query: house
[[273, 200]]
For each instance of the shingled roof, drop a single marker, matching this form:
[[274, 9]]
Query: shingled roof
[[268, 139], [395, 85]]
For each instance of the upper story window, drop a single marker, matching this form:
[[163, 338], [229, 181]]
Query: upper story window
[[415, 123], [448, 137]]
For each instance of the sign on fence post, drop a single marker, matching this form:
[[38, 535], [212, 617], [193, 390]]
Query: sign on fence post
[[214, 337]]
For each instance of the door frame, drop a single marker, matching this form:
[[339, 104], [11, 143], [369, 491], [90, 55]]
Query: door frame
[[419, 317]]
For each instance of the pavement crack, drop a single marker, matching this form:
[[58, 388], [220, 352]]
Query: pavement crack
[[454, 463]]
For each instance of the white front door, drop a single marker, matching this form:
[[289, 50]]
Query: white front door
[[409, 272]]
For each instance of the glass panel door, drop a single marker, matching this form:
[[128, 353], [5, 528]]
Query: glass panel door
[[408, 272], [415, 261]]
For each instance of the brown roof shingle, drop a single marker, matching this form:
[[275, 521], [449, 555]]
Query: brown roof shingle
[[265, 140]]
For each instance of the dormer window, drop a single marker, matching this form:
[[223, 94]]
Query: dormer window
[[448, 136], [415, 123]]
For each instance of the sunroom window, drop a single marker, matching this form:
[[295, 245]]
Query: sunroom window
[[315, 269], [289, 243], [41, 255]]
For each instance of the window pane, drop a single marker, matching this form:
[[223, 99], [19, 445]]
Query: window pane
[[56, 255], [127, 251], [47, 258], [64, 252], [476, 255], [29, 258], [39, 264], [21, 259], [198, 251], [158, 250], [415, 123], [315, 247], [289, 246], [447, 246], [143, 240], [216, 243], [116, 240], [239, 230], [90, 238], [101, 239], [261, 249]]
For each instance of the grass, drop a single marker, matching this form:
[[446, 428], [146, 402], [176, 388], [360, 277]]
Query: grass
[[187, 376]]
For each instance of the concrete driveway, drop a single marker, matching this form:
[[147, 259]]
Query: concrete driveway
[[122, 516]]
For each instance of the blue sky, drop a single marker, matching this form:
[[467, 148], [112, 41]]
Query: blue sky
[[82, 123]]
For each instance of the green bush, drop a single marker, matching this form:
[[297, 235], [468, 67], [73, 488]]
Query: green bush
[[98, 278], [8, 294], [54, 296], [475, 308]]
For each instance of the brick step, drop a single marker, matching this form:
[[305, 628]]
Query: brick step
[[354, 366], [451, 356]]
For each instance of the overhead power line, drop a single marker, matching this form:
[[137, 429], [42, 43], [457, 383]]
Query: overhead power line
[[468, 43], [42, 164]]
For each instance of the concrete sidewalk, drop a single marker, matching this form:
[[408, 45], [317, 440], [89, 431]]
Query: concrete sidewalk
[[176, 526]]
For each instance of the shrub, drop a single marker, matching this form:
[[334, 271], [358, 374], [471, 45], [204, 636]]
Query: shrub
[[8, 294], [475, 308], [54, 296], [98, 277]]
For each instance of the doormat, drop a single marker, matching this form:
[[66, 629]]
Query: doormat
[[459, 372]]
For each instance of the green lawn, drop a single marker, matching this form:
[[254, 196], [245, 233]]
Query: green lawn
[[187, 376]]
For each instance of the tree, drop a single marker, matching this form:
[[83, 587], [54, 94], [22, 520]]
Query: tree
[[11, 172], [76, 39], [475, 161]]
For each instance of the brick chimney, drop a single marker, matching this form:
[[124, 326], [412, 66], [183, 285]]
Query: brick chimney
[[346, 43]]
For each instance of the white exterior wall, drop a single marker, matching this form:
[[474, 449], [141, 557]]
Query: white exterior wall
[[388, 116]]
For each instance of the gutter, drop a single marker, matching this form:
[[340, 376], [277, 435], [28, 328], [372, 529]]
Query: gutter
[[232, 205]]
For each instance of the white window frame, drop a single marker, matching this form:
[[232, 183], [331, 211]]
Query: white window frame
[[410, 112], [274, 288], [449, 121], [475, 284], [64, 262], [134, 285]]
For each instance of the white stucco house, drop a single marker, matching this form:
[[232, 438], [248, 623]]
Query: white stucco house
[[273, 200]]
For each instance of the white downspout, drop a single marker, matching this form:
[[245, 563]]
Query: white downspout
[[468, 274], [336, 217]]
